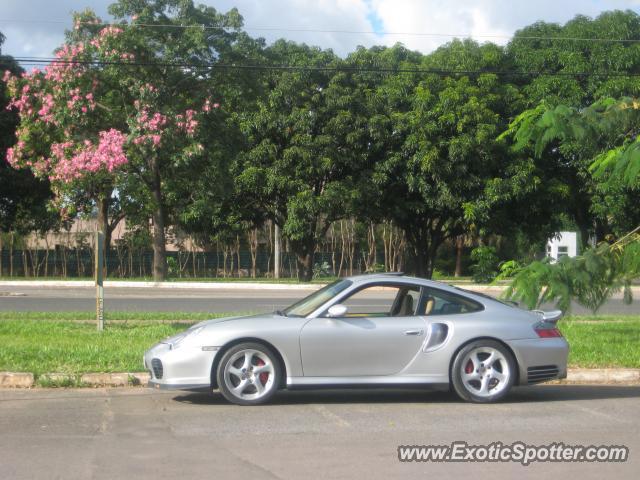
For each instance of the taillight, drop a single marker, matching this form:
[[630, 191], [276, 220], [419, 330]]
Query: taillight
[[544, 330]]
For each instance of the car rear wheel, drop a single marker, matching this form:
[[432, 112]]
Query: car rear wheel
[[248, 374], [483, 371]]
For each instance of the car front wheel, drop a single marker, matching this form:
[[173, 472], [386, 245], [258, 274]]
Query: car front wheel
[[483, 371], [248, 374]]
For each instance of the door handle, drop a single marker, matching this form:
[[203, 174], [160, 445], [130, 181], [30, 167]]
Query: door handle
[[413, 332]]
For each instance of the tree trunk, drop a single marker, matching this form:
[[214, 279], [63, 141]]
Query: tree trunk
[[277, 251], [103, 220], [343, 249], [304, 258], [420, 261], [459, 251], [159, 250], [424, 244], [11, 239], [254, 244], [431, 259], [372, 254], [159, 246], [305, 267], [46, 257]]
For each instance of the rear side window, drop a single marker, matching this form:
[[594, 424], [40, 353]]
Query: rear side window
[[440, 302]]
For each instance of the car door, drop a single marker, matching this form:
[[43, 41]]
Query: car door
[[379, 335]]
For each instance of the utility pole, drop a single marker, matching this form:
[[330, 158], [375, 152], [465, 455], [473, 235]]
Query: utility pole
[[99, 279], [276, 252]]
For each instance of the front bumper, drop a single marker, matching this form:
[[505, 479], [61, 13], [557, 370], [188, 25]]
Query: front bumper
[[540, 359], [170, 386], [184, 368]]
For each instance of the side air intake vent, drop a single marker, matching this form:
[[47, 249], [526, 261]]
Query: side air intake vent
[[436, 336]]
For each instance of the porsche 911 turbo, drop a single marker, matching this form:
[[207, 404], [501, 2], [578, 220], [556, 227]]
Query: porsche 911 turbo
[[385, 330]]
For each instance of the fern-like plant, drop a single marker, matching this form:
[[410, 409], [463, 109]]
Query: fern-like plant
[[593, 277], [589, 279]]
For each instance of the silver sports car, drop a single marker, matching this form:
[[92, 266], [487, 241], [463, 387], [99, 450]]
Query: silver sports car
[[369, 330]]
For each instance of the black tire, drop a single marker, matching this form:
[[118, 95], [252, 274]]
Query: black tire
[[467, 390], [253, 397]]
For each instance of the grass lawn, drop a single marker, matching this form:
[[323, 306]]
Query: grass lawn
[[43, 346], [605, 341], [67, 343]]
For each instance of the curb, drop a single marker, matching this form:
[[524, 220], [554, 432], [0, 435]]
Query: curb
[[27, 380], [575, 376], [602, 376], [10, 379]]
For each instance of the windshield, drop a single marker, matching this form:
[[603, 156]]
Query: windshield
[[308, 304]]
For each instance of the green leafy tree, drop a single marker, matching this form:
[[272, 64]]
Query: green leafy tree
[[444, 172], [207, 204], [599, 68], [299, 169]]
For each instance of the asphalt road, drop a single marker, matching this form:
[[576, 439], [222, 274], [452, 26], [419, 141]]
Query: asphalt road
[[23, 298], [140, 433]]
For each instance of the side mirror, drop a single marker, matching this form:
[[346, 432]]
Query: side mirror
[[337, 311]]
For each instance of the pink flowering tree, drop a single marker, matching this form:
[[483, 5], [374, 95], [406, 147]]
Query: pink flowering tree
[[63, 135], [104, 123]]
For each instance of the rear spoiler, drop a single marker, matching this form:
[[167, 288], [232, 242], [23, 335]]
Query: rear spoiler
[[552, 317]]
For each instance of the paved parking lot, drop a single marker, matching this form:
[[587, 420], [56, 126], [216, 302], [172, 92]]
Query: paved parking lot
[[141, 433]]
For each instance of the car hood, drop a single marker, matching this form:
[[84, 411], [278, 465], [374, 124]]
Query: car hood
[[216, 321]]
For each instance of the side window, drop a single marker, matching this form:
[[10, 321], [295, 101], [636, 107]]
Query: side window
[[440, 302], [383, 301]]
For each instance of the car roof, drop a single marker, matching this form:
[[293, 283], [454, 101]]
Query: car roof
[[393, 277]]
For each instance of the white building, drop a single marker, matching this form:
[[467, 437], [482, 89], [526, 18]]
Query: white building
[[564, 244]]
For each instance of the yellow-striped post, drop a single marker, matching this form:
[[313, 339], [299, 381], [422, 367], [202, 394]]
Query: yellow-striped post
[[99, 279]]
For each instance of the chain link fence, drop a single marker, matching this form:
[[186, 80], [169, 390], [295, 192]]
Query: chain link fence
[[126, 263]]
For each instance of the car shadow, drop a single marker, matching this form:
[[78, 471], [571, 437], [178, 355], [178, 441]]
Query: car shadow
[[561, 393], [540, 393]]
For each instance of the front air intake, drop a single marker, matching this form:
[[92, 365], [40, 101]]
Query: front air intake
[[156, 365]]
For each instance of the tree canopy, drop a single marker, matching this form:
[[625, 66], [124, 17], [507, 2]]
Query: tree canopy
[[213, 132]]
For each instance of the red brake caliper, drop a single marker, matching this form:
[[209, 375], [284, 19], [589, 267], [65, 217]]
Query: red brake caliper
[[264, 376], [468, 367]]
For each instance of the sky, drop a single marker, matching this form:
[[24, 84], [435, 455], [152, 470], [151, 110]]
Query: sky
[[34, 28]]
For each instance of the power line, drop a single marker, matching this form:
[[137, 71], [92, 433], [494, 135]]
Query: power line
[[337, 31], [318, 68]]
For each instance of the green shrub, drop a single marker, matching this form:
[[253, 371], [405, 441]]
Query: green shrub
[[321, 270], [508, 269], [485, 264]]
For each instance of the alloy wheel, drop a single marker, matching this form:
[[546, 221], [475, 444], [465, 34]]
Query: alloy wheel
[[485, 372], [249, 374]]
